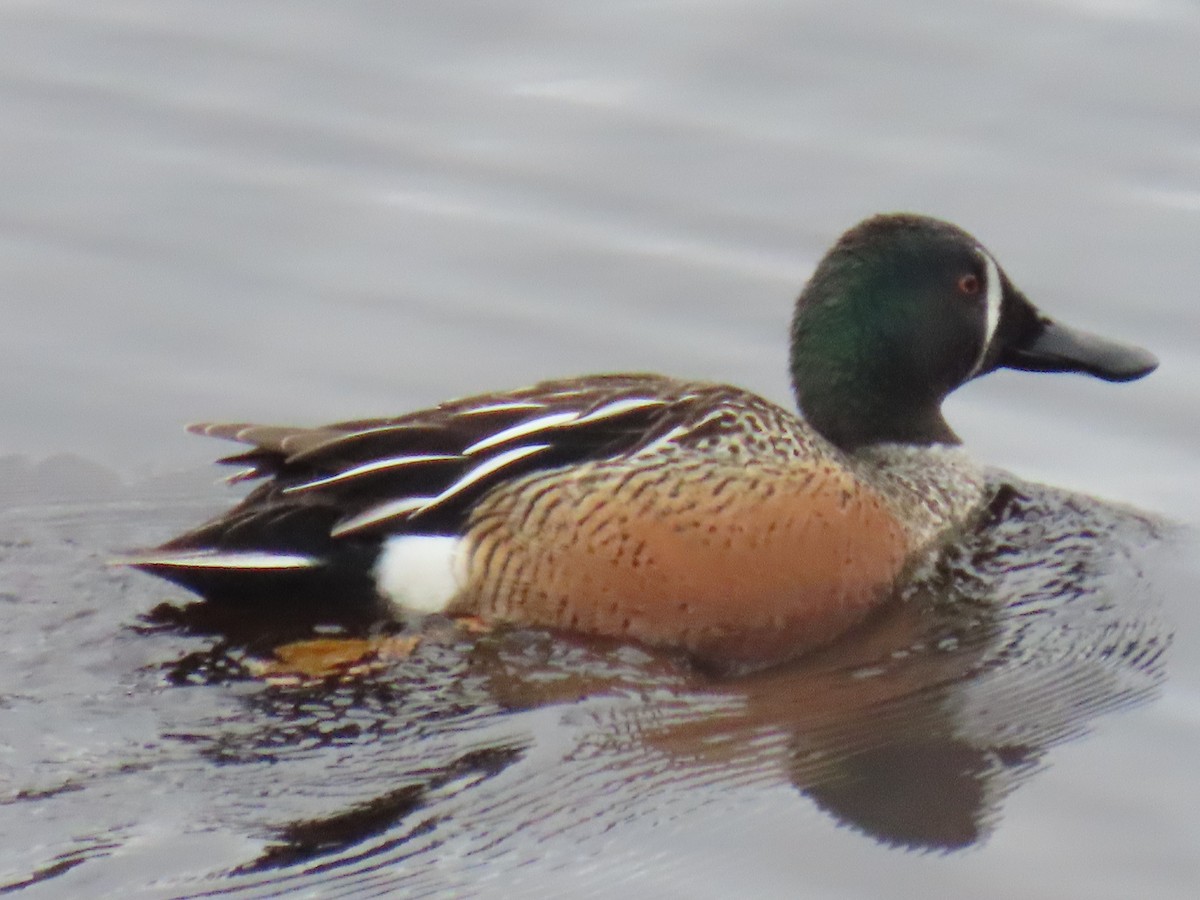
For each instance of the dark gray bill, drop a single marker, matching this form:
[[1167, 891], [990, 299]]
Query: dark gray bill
[[1057, 348]]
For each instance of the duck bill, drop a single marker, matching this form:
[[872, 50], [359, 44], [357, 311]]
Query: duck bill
[[1051, 347]]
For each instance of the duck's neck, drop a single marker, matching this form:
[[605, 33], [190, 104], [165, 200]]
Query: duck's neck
[[856, 402], [856, 382], [853, 418]]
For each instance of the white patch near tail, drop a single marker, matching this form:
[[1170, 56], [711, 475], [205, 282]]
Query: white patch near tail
[[420, 573], [249, 560]]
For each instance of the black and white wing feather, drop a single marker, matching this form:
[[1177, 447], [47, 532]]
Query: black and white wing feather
[[332, 493]]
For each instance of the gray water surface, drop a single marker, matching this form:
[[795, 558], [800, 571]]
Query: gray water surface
[[302, 212]]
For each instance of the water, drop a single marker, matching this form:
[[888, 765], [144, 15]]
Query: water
[[305, 212]]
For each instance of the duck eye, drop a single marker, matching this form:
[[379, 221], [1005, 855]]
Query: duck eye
[[969, 285]]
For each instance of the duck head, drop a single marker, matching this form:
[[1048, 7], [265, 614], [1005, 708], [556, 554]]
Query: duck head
[[902, 310]]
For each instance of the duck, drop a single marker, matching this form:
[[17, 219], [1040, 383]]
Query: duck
[[677, 514]]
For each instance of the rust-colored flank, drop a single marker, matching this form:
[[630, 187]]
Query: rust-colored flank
[[738, 564]]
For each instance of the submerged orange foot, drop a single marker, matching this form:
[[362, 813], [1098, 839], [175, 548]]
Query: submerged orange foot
[[321, 658], [473, 625]]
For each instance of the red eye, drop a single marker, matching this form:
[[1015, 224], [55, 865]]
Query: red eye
[[969, 285]]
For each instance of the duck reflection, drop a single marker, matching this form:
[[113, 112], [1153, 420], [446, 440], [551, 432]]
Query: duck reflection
[[912, 730]]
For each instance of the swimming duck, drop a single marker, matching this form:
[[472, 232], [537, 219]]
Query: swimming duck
[[674, 513]]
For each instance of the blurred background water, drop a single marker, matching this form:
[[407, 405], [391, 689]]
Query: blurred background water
[[301, 212]]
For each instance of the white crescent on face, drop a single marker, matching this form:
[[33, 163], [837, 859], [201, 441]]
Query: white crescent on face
[[995, 296]]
